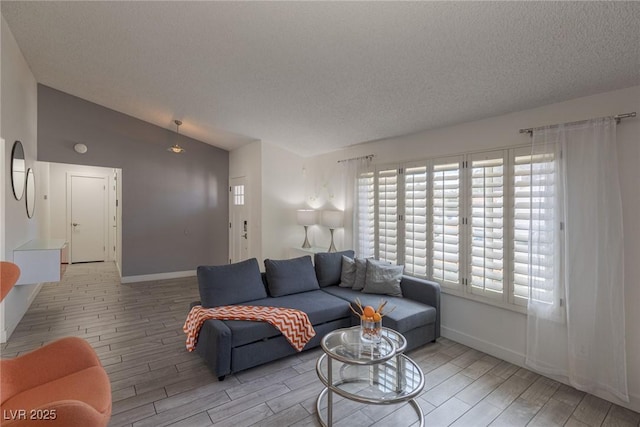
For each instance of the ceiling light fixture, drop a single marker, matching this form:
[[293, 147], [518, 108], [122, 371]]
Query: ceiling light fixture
[[175, 148], [80, 148]]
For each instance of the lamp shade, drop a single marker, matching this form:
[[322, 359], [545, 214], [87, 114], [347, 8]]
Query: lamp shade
[[307, 217], [333, 219]]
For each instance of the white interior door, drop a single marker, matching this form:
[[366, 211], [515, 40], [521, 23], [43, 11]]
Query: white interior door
[[88, 218], [239, 235]]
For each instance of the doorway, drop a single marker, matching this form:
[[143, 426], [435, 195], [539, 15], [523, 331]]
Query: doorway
[[91, 198]]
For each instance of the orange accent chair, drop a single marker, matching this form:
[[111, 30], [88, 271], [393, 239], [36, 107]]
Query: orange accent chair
[[60, 384], [9, 274]]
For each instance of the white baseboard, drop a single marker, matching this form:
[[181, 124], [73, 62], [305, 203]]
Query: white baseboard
[[484, 346], [158, 276], [34, 294], [518, 360]]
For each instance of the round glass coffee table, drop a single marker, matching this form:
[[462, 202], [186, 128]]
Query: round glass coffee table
[[365, 372]]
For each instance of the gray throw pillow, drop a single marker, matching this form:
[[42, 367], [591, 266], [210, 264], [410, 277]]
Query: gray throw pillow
[[361, 272], [348, 274], [290, 276], [328, 266], [383, 278], [230, 284]]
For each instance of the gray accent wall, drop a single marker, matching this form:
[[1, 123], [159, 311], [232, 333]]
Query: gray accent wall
[[175, 210]]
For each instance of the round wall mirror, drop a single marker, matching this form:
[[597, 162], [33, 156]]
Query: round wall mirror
[[18, 169], [31, 193]]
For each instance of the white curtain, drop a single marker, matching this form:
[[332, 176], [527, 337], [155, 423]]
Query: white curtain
[[358, 179], [575, 322]]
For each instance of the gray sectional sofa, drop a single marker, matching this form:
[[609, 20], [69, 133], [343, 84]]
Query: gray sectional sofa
[[233, 346]]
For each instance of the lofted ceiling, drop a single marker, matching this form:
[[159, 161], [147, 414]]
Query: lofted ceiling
[[314, 77]]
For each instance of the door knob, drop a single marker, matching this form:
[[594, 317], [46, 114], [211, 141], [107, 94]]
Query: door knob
[[75, 224]]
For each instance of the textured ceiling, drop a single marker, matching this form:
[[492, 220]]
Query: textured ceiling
[[314, 77]]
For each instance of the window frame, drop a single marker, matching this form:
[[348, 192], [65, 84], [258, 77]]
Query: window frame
[[463, 288]]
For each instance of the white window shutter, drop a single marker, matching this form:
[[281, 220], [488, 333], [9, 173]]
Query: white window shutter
[[446, 221], [365, 216], [424, 213], [415, 220], [486, 224], [387, 214], [533, 210]]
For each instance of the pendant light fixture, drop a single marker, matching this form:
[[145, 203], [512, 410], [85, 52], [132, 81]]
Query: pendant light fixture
[[175, 148]]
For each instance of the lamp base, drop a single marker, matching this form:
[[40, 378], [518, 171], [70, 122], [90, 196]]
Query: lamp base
[[306, 244], [332, 247]]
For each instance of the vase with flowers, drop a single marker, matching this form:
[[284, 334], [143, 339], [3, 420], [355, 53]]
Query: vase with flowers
[[370, 320]]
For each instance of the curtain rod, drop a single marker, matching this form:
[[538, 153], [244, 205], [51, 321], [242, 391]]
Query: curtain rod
[[616, 118], [368, 157]]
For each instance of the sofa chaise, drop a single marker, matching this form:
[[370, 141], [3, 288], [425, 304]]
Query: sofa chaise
[[230, 346]]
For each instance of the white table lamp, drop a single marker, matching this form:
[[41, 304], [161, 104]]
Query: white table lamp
[[332, 220], [306, 217]]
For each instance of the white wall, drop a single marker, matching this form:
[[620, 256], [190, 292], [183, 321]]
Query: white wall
[[274, 179], [4, 172], [3, 190], [18, 121], [282, 195], [493, 330], [324, 187], [42, 198]]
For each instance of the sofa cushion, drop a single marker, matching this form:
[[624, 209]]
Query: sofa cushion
[[348, 274], [290, 276], [406, 315], [329, 266], [361, 274], [319, 306], [230, 284], [383, 278]]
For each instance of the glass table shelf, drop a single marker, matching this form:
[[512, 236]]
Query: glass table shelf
[[367, 373], [395, 381]]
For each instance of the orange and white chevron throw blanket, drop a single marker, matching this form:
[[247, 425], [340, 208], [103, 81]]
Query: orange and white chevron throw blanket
[[293, 324]]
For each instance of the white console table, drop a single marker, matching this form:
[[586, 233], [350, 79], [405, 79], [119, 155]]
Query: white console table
[[39, 261]]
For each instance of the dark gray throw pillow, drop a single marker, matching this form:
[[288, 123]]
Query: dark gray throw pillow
[[230, 284], [361, 274], [290, 276], [383, 278], [348, 275], [328, 266]]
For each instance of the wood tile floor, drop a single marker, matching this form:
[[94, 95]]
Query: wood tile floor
[[136, 330]]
